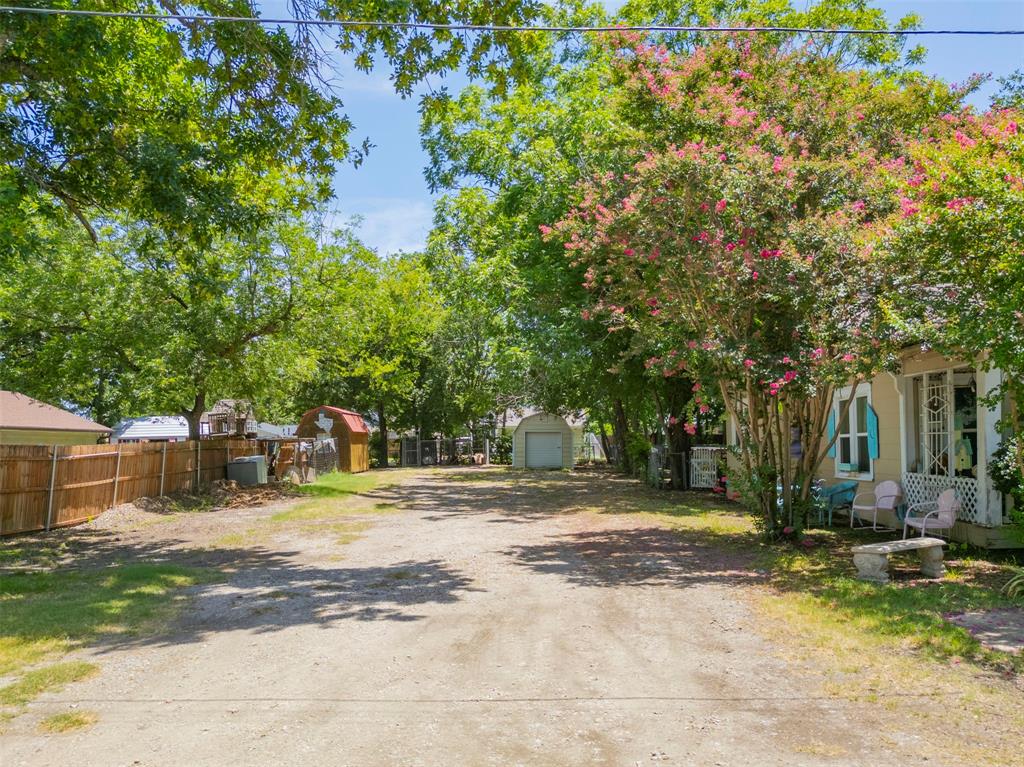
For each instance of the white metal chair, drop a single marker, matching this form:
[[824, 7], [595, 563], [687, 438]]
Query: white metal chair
[[939, 514], [886, 495]]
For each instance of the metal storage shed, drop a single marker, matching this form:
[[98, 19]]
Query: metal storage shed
[[542, 441], [344, 425]]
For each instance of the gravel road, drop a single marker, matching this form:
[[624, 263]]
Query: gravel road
[[491, 621]]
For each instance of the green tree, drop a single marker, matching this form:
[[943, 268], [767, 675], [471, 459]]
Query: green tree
[[163, 325], [962, 231], [373, 342], [742, 241]]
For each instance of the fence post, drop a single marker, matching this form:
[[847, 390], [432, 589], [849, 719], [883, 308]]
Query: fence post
[[198, 458], [163, 468], [227, 458], [487, 451], [53, 479], [117, 475]]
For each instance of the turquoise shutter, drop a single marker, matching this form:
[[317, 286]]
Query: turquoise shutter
[[832, 433], [872, 433]]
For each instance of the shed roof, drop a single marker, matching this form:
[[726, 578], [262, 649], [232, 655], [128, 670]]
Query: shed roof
[[19, 411], [352, 419]]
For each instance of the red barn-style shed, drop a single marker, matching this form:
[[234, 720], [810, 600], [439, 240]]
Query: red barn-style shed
[[344, 425]]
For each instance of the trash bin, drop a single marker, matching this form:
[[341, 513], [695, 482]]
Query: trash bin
[[249, 470]]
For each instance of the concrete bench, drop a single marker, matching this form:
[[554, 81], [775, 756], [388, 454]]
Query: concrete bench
[[872, 559]]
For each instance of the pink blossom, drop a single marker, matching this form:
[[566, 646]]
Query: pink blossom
[[789, 375], [672, 421], [545, 229], [704, 409], [964, 140], [690, 428], [849, 357], [1011, 127], [777, 165], [652, 301], [691, 344], [629, 251], [858, 205], [908, 208], [720, 206], [818, 353], [957, 204], [743, 74], [653, 255], [585, 314], [755, 275], [696, 386], [730, 247], [655, 312], [748, 363]]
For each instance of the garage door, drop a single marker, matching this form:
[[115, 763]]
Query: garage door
[[543, 450]]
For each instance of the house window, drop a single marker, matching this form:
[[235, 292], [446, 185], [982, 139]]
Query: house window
[[856, 445]]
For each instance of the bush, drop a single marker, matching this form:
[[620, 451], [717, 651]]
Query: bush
[[501, 449]]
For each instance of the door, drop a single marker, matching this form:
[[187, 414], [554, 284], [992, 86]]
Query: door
[[543, 450]]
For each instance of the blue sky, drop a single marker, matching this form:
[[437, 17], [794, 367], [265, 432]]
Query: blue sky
[[389, 192]]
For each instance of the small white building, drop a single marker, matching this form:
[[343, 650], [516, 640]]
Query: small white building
[[542, 441], [151, 428], [276, 431]]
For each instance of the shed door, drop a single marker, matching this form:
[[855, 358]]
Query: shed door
[[543, 450]]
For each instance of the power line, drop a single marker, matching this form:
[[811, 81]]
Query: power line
[[422, 25]]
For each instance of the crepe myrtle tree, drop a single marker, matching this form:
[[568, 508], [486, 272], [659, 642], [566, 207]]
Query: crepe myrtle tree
[[747, 248], [961, 226]]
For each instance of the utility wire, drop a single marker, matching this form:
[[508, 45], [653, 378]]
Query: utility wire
[[352, 24]]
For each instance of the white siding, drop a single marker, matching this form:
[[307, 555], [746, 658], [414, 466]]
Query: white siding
[[541, 422]]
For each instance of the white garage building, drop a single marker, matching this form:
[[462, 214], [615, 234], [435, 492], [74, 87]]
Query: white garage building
[[542, 441]]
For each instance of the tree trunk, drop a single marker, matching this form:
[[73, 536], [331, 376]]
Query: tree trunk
[[382, 447], [621, 429], [194, 415]]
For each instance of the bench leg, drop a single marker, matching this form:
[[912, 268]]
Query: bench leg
[[872, 567], [931, 562]]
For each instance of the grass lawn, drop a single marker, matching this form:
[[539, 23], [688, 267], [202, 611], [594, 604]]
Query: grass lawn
[[45, 614]]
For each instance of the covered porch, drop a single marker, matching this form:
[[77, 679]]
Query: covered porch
[[948, 433]]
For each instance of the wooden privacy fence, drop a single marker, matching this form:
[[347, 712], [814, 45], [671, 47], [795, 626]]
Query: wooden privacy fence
[[42, 487]]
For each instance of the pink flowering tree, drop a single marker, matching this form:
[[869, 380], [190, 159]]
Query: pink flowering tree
[[743, 240], [964, 233]]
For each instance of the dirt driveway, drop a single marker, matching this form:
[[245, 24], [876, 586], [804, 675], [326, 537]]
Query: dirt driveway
[[490, 620]]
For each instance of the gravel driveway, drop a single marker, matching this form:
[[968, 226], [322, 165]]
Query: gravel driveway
[[491, 621]]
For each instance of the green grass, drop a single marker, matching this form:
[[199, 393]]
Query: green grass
[[67, 722], [45, 613], [339, 484], [47, 679], [907, 613]]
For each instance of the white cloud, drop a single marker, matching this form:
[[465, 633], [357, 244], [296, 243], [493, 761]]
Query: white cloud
[[389, 224]]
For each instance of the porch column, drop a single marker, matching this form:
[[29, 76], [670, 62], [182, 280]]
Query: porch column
[[989, 499]]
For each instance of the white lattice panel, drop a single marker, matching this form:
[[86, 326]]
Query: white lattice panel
[[704, 466], [921, 488]]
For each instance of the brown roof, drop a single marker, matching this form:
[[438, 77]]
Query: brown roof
[[18, 411]]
